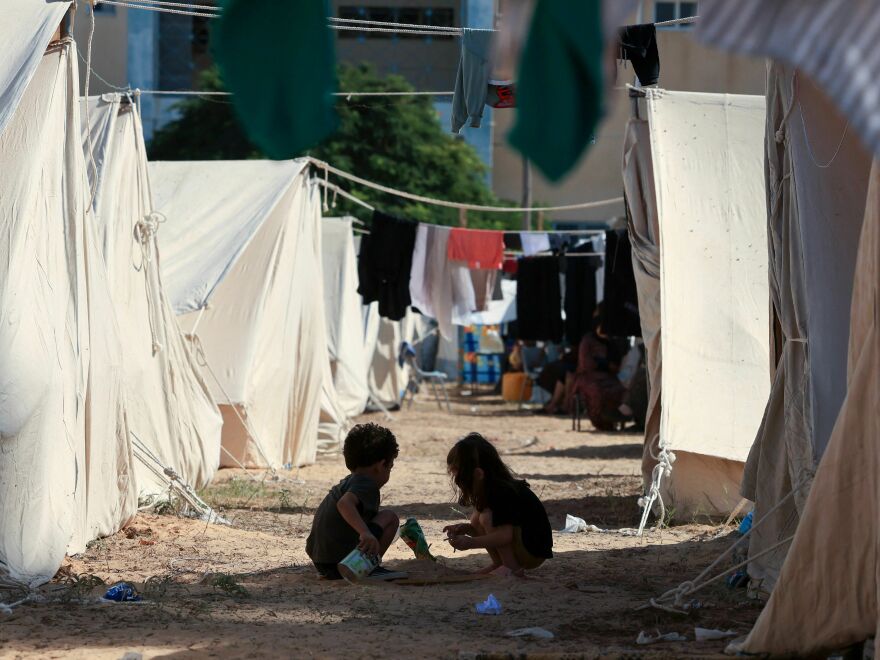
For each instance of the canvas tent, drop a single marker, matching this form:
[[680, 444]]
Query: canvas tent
[[66, 473], [387, 377], [817, 176], [822, 112], [170, 411], [349, 355], [703, 215], [241, 260]]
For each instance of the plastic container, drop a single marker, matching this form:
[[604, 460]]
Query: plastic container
[[356, 566], [516, 386]]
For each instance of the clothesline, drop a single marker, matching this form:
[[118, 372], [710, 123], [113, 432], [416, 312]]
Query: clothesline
[[457, 205], [414, 26], [550, 254], [194, 92], [336, 23], [426, 33], [141, 4], [572, 232]]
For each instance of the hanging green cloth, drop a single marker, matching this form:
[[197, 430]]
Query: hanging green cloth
[[277, 59], [560, 85]]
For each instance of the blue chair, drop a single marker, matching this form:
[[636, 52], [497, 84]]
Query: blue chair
[[407, 355]]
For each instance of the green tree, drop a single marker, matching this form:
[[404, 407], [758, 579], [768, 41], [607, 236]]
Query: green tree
[[394, 141]]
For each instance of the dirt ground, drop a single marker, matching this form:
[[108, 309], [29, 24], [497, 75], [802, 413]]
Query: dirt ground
[[249, 591]]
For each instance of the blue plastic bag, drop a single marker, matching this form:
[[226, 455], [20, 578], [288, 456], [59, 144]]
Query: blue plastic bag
[[746, 524], [122, 593], [489, 606]]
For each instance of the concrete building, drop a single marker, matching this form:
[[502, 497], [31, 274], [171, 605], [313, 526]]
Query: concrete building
[[428, 63], [159, 51], [685, 65], [135, 48]]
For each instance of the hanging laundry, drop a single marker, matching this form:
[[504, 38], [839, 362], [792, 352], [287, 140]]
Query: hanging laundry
[[599, 248], [562, 242], [501, 94], [478, 248], [580, 292], [621, 304], [485, 283], [284, 108], [472, 79], [512, 241], [439, 288], [538, 299], [385, 264], [532, 244], [510, 265], [560, 76], [638, 44]]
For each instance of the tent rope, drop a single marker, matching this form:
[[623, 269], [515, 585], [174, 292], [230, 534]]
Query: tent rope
[[93, 187], [676, 596], [145, 231], [255, 439], [320, 164], [176, 485], [665, 459]]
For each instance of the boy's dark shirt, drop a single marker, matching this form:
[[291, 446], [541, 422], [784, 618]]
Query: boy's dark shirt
[[331, 538]]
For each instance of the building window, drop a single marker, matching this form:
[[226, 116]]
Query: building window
[[439, 16], [670, 11], [106, 10]]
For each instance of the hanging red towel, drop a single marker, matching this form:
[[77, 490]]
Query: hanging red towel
[[480, 249]]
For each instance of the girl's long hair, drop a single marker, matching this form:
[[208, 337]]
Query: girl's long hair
[[472, 452]]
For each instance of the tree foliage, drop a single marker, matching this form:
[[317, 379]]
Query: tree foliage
[[395, 141]]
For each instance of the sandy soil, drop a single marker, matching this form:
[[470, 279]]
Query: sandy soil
[[249, 591]]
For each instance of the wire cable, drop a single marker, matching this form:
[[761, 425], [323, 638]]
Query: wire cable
[[425, 33], [412, 26], [457, 205], [180, 12]]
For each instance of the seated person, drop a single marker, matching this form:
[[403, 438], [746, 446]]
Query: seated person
[[509, 521], [556, 379], [595, 380], [349, 516]]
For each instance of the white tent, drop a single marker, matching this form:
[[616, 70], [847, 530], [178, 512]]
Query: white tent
[[349, 354], [714, 299], [241, 259], [171, 415], [387, 377], [65, 458]]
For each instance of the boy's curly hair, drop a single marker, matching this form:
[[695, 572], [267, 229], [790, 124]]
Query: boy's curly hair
[[369, 443]]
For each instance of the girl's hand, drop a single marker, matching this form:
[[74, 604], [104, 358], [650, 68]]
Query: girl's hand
[[369, 545], [456, 530], [461, 542]]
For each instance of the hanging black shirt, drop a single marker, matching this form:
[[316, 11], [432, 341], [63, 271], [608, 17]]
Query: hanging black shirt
[[384, 264], [638, 44], [620, 316], [580, 292], [538, 299]]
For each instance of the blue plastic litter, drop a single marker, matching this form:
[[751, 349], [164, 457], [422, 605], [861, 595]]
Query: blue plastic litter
[[746, 524], [738, 580], [122, 593], [489, 606]]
